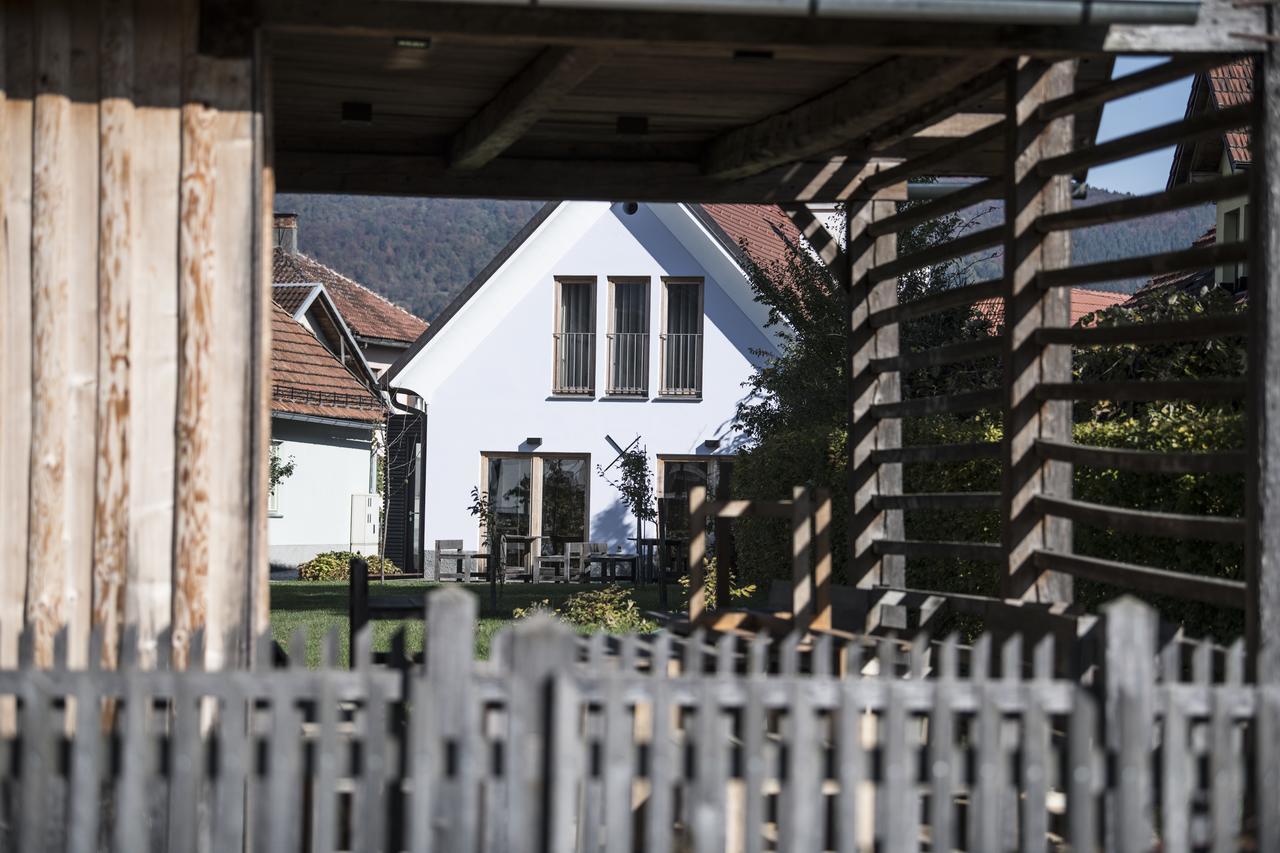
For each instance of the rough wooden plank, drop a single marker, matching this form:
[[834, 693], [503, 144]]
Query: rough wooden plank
[[1176, 525], [1082, 100], [822, 561], [834, 178], [1028, 196], [526, 99], [1138, 390], [1134, 207], [1262, 428], [196, 334], [662, 755], [933, 303], [1211, 590], [943, 753], [115, 247], [1203, 257], [239, 279], [1153, 461], [79, 403], [153, 326], [1174, 331], [16, 125], [853, 110], [48, 558], [939, 356]]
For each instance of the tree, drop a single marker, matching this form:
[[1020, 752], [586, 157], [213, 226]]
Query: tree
[[794, 417], [635, 486], [278, 469]]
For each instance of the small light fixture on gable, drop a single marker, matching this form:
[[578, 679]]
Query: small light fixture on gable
[[630, 208], [413, 43], [534, 441], [711, 444], [357, 112]]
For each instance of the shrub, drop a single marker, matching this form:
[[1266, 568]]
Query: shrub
[[336, 566], [610, 609], [736, 593]]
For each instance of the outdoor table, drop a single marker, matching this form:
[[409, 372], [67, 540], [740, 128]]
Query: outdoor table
[[609, 564]]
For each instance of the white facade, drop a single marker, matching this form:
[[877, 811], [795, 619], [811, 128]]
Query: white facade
[[311, 510], [485, 374]]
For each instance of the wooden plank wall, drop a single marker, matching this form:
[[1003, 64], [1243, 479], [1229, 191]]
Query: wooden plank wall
[[133, 272]]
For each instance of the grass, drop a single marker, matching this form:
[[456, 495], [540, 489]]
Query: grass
[[316, 608]]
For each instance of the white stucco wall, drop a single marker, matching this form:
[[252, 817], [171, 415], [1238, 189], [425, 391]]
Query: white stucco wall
[[331, 463], [486, 378]]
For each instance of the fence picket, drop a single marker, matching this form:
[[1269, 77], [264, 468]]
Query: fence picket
[[1268, 788], [86, 759], [563, 765], [135, 754], [1082, 820], [942, 751], [234, 767], [984, 798], [753, 758], [901, 806], [619, 771], [850, 766], [799, 820], [707, 801], [1225, 761], [186, 767], [1035, 750], [1175, 781], [658, 817], [326, 753]]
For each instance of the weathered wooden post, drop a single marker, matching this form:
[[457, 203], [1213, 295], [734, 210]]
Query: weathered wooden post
[[801, 557], [357, 601], [1027, 363], [697, 553], [872, 440], [1262, 500]]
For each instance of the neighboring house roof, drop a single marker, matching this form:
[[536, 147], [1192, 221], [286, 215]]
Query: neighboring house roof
[[306, 379], [765, 231], [1226, 86], [369, 315], [1084, 301]]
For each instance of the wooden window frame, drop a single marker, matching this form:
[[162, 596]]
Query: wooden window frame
[[664, 391], [535, 486], [557, 304], [614, 281]]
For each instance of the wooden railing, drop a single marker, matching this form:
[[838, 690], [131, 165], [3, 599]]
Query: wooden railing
[[660, 743]]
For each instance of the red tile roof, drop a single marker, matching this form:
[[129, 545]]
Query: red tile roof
[[763, 228], [1232, 85], [291, 297], [306, 379], [1084, 301], [367, 314]]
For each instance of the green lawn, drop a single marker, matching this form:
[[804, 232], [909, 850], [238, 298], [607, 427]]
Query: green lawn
[[317, 607]]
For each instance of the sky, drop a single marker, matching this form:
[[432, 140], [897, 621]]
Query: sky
[[1146, 173]]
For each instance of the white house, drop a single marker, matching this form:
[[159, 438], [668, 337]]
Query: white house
[[599, 325]]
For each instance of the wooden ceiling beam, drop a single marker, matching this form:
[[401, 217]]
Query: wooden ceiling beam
[[1219, 27], [898, 92], [831, 179], [528, 97]]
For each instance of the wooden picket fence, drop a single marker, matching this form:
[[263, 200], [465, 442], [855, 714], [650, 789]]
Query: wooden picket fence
[[664, 744]]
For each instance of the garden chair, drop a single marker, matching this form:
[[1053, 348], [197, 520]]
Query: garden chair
[[451, 560], [559, 564], [576, 562]]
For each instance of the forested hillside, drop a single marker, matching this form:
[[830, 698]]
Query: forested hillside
[[418, 253], [421, 252]]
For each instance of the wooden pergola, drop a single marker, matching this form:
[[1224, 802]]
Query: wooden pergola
[[143, 142]]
